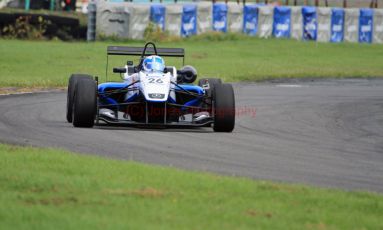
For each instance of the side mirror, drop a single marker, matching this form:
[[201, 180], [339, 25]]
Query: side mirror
[[188, 74], [119, 70]]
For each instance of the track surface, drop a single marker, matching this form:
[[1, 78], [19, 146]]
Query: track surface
[[326, 133]]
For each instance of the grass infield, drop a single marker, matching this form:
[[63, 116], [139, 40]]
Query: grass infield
[[53, 189], [50, 63]]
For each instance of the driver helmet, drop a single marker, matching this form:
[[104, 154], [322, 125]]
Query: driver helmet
[[154, 63]]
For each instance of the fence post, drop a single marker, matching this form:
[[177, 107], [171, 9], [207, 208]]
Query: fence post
[[52, 5], [344, 3], [326, 3], [295, 2], [27, 4], [91, 30], [316, 3]]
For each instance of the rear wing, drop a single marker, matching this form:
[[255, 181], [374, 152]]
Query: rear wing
[[137, 51]]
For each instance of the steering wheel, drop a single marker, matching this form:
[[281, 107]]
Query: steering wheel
[[144, 52]]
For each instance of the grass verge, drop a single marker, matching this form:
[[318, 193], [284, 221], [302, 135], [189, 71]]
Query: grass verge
[[54, 189], [49, 63]]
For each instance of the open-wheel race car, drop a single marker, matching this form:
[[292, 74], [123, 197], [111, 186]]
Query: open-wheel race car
[[151, 94]]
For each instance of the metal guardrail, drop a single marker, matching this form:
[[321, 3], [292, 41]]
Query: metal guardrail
[[327, 3]]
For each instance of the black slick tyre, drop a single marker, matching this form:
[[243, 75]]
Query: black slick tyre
[[84, 103], [71, 86], [224, 108]]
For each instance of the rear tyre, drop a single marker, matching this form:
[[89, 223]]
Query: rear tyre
[[71, 86], [224, 108], [84, 103]]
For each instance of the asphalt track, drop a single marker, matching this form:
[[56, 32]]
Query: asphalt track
[[324, 133]]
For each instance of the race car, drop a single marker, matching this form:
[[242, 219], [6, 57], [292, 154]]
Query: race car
[[151, 94]]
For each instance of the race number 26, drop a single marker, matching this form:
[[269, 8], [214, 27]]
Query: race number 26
[[155, 80]]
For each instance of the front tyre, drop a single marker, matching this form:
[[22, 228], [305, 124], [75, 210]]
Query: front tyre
[[224, 108], [84, 103], [71, 86]]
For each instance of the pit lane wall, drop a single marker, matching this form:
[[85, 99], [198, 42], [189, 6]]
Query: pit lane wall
[[129, 20]]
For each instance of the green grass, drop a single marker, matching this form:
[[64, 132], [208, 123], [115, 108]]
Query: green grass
[[53, 189], [49, 63]]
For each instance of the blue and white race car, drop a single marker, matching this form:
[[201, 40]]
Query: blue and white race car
[[151, 94]]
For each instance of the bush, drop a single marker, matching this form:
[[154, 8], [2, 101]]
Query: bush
[[154, 33], [24, 29]]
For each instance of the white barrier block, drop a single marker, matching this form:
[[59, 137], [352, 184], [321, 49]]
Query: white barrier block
[[235, 17], [324, 24], [112, 19], [265, 21], [139, 20], [378, 26], [204, 17], [351, 25], [296, 22], [173, 19]]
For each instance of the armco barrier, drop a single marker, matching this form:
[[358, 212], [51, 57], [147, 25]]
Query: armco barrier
[[129, 20]]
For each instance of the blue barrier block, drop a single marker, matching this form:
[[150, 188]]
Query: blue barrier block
[[282, 22], [366, 25], [189, 20], [220, 17], [157, 15], [337, 25], [250, 19], [310, 23]]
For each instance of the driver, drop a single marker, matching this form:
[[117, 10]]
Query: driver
[[151, 63]]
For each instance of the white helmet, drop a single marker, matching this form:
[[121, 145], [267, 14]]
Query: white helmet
[[154, 63]]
